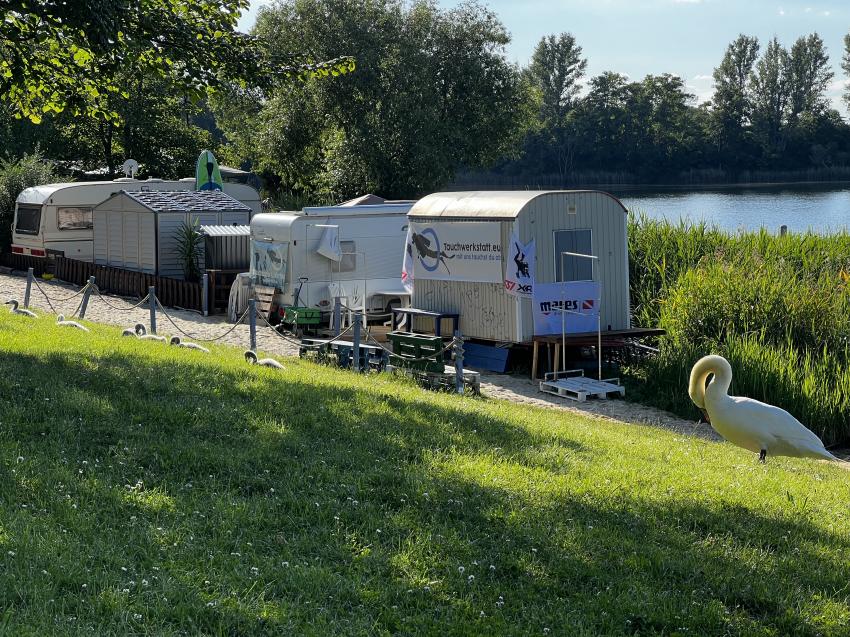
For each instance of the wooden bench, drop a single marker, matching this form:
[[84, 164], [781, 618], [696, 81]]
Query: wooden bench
[[342, 353]]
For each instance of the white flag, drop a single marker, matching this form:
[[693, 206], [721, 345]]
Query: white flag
[[519, 268], [329, 243], [407, 262]]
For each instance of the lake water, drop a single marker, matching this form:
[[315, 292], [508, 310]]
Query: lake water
[[817, 207]]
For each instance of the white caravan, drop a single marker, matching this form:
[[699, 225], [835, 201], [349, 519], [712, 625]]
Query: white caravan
[[56, 219], [288, 253]]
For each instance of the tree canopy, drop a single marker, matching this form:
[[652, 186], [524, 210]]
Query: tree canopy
[[57, 55], [432, 92]]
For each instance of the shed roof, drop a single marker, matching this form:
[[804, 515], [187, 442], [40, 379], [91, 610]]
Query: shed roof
[[488, 204], [226, 231], [187, 201]]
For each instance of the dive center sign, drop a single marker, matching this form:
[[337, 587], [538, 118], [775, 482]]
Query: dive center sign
[[580, 299], [456, 251]]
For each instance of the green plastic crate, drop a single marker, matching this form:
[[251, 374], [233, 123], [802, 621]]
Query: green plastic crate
[[302, 316], [407, 347]]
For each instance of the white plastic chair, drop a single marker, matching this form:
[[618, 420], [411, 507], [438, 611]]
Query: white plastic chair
[[350, 294]]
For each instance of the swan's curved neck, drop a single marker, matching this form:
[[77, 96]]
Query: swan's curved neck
[[718, 387]]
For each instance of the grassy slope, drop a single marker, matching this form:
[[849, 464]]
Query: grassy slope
[[151, 490]]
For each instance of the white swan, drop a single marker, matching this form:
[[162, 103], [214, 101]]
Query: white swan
[[16, 310], [175, 340], [753, 425], [61, 322], [142, 333], [251, 358]]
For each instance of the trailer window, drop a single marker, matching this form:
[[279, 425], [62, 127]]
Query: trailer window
[[28, 219], [74, 218], [348, 263], [574, 268]]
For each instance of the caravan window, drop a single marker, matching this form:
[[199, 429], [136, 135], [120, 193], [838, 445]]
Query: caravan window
[[574, 268], [29, 219], [74, 218], [348, 263]]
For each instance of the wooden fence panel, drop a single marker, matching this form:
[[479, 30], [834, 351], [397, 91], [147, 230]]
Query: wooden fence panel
[[39, 265], [171, 292]]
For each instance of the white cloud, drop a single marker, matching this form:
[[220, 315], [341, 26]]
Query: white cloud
[[703, 78], [781, 11], [687, 1], [808, 10], [826, 13]]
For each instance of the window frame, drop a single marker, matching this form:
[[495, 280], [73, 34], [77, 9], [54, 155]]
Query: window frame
[[348, 262], [59, 211], [557, 256], [38, 209]]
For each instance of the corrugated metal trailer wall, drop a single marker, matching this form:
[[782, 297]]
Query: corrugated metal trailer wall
[[488, 312], [605, 218]]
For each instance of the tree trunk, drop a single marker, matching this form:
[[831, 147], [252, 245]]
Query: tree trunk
[[106, 134]]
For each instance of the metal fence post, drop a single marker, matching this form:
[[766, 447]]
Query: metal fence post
[[337, 315], [205, 299], [152, 304], [357, 317], [85, 304], [252, 322], [29, 287], [458, 345]]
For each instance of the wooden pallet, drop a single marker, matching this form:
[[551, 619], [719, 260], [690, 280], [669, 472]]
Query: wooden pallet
[[580, 388], [264, 296]]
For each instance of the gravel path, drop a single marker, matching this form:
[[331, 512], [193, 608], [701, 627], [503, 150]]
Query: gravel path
[[119, 311]]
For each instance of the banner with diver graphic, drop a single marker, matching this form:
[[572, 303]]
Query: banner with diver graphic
[[456, 251], [268, 263], [520, 267]]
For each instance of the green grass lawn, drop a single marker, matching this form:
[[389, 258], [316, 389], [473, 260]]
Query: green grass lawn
[[149, 490]]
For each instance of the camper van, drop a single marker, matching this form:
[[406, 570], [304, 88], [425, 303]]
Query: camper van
[[56, 219], [348, 251]]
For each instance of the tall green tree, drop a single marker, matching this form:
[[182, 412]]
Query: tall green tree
[[770, 88], [433, 91], [731, 106], [845, 66], [809, 75], [556, 69]]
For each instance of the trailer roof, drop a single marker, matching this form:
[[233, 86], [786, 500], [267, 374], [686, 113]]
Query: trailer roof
[[505, 204], [187, 201]]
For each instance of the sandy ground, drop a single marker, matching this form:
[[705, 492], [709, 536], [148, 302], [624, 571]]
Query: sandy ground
[[118, 311]]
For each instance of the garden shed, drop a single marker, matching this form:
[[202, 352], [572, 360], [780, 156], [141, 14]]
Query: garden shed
[[461, 245], [139, 230]]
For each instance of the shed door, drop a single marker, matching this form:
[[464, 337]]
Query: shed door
[[574, 268]]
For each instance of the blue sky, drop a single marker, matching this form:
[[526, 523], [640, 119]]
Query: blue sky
[[684, 37]]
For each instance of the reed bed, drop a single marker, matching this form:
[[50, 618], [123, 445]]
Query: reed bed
[[778, 307]]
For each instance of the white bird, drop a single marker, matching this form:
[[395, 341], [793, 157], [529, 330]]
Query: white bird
[[16, 310], [175, 340], [142, 333], [130, 331], [251, 358], [747, 423], [61, 322]]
